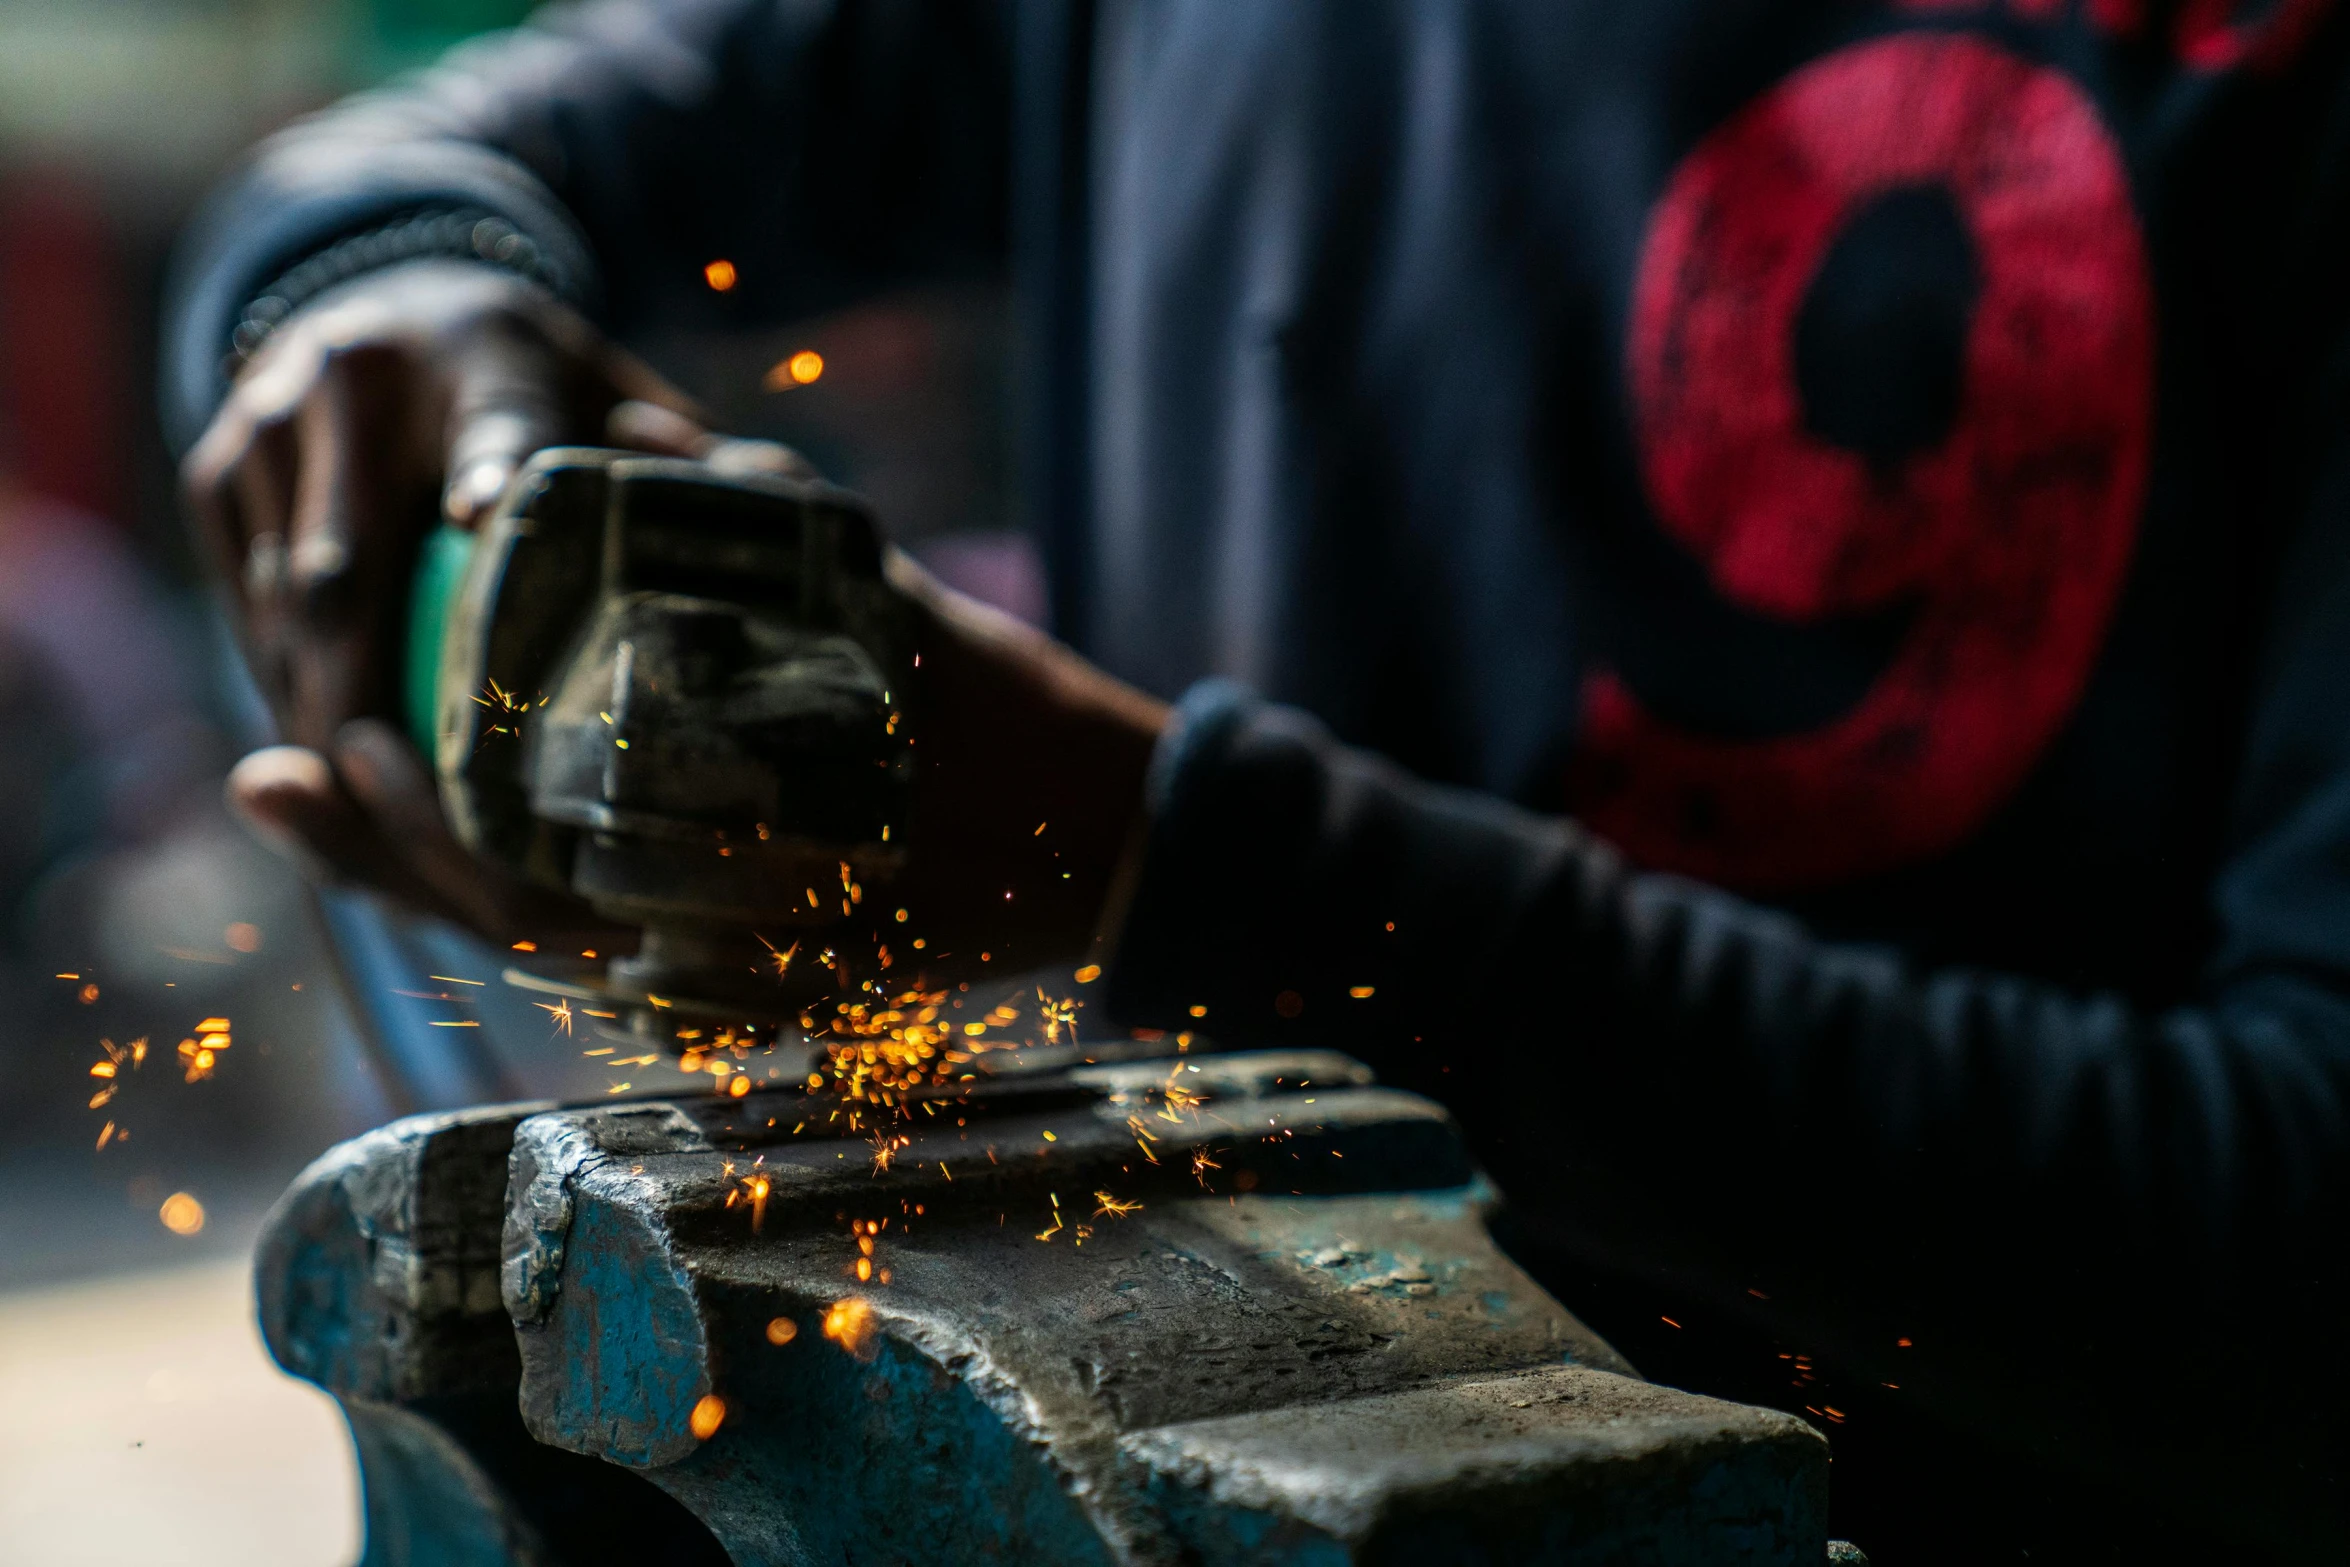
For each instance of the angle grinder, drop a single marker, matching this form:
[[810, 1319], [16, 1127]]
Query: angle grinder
[[677, 694]]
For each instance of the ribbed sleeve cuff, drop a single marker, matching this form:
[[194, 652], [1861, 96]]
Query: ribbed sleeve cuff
[[1170, 954], [1304, 892], [300, 197], [1235, 910]]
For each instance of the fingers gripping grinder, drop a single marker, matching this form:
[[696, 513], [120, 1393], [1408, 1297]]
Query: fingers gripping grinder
[[675, 694]]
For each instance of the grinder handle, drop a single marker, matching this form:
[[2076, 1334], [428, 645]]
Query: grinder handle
[[440, 573]]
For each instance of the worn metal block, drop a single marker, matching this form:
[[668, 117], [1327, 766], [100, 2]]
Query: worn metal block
[[377, 1279], [1563, 1464], [1242, 1309], [377, 1276]]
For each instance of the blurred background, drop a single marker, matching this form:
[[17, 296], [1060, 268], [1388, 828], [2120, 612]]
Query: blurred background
[[138, 1420]]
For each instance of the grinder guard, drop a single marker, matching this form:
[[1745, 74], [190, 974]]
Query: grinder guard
[[674, 693]]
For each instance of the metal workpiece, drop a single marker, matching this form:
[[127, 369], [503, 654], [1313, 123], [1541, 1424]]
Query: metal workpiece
[[1238, 1309], [377, 1280]]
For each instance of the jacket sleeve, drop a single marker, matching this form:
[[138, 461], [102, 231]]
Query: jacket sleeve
[[826, 147], [1763, 1102]]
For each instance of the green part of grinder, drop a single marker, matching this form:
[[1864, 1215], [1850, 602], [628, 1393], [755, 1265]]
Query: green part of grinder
[[440, 572]]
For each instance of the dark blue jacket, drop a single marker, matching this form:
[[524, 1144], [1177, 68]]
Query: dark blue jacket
[[1864, 484]]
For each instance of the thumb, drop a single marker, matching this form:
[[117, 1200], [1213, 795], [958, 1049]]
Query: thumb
[[505, 406], [647, 426], [643, 425]]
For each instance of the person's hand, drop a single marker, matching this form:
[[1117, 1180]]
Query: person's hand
[[406, 396], [1028, 810], [402, 398]]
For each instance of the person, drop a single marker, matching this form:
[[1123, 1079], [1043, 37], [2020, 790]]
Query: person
[[1757, 597]]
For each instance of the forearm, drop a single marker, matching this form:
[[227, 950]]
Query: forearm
[[1760, 1087]]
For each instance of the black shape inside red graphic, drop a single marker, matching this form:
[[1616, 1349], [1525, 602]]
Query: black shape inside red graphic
[[1891, 368]]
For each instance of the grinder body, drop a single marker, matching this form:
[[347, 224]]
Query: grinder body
[[677, 694]]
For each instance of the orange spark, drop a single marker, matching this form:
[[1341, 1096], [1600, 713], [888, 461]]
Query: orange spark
[[757, 1186], [798, 369], [849, 1323], [782, 960]]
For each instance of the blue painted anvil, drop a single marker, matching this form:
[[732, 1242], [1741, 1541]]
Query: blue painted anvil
[[1230, 1309]]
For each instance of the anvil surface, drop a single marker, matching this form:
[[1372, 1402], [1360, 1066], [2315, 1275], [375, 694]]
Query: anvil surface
[[1231, 1309]]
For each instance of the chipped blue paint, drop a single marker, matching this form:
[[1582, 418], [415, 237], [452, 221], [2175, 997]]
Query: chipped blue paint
[[908, 1464], [424, 1499], [629, 1345]]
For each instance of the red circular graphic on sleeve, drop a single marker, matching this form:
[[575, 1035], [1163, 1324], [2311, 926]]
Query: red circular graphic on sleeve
[[2010, 537]]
